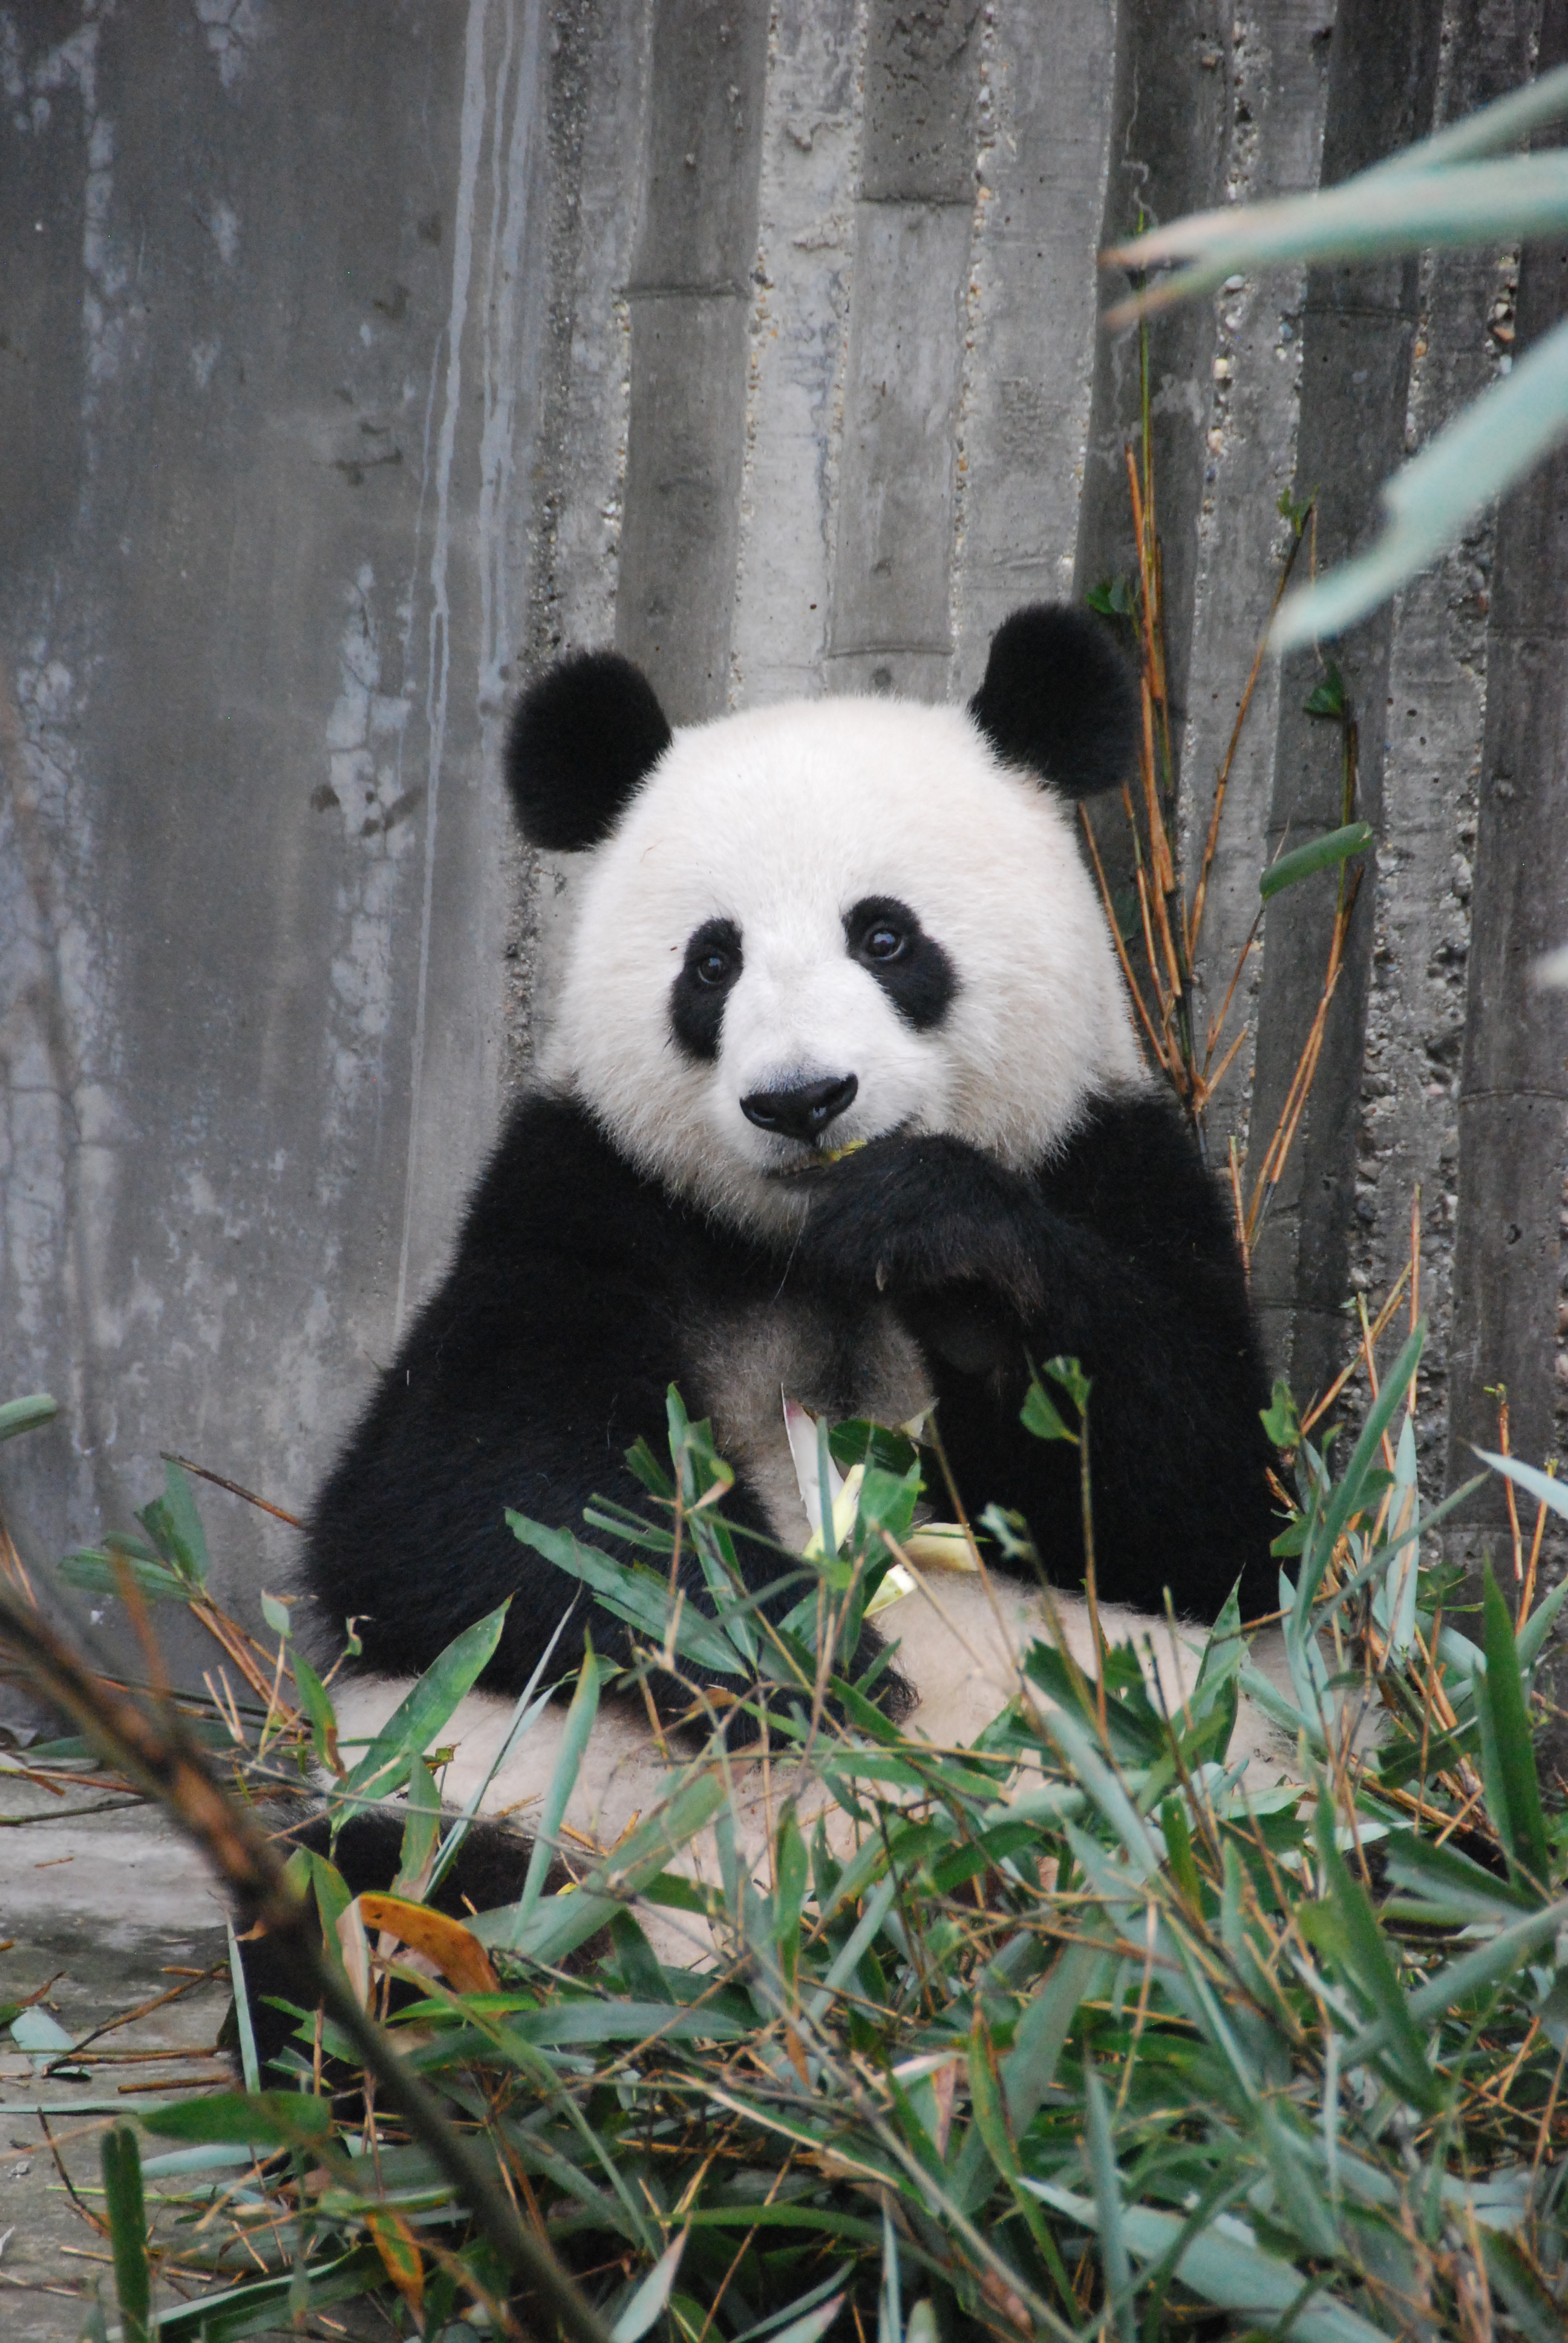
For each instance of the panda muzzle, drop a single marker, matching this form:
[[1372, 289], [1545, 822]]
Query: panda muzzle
[[800, 1110]]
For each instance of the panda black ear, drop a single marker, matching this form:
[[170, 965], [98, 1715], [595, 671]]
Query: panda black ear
[[579, 742], [1059, 697]]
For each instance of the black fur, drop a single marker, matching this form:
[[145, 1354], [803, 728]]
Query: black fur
[[573, 1303], [696, 997], [1059, 697], [569, 1312], [1118, 1254], [913, 970], [581, 739]]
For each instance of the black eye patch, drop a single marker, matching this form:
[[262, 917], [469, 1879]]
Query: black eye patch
[[698, 996], [911, 967]]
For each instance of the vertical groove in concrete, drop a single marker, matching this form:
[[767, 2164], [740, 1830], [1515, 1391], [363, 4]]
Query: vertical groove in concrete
[[1047, 71], [1409, 1135], [1169, 129], [691, 298], [798, 324], [1513, 1091], [891, 620], [599, 91], [1279, 67], [1358, 333]]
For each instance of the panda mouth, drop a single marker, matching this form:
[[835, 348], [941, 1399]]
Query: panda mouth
[[817, 1162]]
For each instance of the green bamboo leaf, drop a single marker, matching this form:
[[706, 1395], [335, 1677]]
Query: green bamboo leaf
[[563, 1781], [122, 2169], [889, 2295], [1498, 439], [1029, 2070], [563, 2023], [1535, 1632], [1325, 853], [1041, 1416], [19, 1416], [1512, 1790], [413, 1724], [97, 1572], [1108, 2205], [263, 2304], [243, 2027], [561, 1923], [1225, 2264], [1347, 1499], [174, 1526], [1543, 1486], [246, 2119], [810, 2324], [1444, 1876], [1369, 218], [639, 1596], [1360, 1951], [651, 2296], [1537, 2317]]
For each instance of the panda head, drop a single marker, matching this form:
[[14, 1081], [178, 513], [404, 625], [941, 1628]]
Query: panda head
[[809, 925]]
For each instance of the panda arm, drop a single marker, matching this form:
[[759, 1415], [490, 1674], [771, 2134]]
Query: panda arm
[[1120, 1254], [546, 1352]]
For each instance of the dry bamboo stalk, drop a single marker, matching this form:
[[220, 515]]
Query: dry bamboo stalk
[[1116, 938]]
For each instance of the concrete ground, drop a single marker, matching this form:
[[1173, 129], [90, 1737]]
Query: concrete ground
[[107, 1910]]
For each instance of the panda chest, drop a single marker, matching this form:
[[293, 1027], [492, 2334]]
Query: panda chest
[[837, 1362]]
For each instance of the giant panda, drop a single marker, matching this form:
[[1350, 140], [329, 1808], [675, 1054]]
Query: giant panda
[[841, 1100]]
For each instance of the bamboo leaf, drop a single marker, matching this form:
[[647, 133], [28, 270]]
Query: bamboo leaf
[[1372, 217], [1225, 2264], [122, 2168], [19, 1416], [1108, 2205], [1500, 437], [251, 2119], [651, 2296], [563, 1781], [413, 1724], [1512, 1790], [1326, 853], [639, 1596]]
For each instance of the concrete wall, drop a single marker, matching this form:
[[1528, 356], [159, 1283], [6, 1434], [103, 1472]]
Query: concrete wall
[[759, 340]]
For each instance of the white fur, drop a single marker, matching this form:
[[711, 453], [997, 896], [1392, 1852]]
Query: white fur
[[782, 820], [960, 1640]]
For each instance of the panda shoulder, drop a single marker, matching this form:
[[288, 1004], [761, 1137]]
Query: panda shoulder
[[1132, 1159], [555, 1177]]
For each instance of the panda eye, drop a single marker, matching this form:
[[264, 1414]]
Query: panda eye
[[883, 941], [712, 968]]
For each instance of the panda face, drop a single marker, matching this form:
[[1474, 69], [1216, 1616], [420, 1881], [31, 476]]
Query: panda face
[[824, 923]]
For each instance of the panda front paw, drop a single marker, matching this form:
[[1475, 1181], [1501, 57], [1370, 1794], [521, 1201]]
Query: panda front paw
[[912, 1216]]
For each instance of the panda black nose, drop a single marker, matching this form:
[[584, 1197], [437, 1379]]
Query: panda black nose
[[804, 1110]]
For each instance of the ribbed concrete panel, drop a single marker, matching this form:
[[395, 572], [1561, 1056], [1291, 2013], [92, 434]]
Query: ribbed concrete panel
[[1280, 67], [1170, 135], [794, 409], [1513, 1094], [891, 617], [1359, 331], [270, 407], [1044, 122], [690, 300], [598, 116], [1438, 678]]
